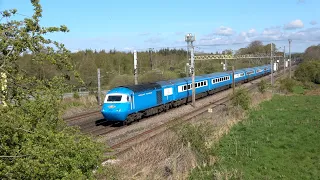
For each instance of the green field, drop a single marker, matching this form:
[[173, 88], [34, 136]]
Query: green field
[[281, 140]]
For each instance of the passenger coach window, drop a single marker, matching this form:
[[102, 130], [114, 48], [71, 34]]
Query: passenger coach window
[[114, 98]]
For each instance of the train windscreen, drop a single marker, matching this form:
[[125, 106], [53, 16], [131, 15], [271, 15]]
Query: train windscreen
[[114, 98]]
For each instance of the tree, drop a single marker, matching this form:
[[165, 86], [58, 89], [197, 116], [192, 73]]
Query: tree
[[35, 143], [312, 53]]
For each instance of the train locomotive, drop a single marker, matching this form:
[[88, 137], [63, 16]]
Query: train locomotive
[[126, 104]]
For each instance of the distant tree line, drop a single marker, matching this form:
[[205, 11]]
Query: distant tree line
[[153, 65]]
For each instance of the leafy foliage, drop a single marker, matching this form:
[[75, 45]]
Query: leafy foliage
[[35, 142], [257, 47], [121, 80], [76, 95], [241, 98], [287, 84], [195, 136], [308, 71], [262, 86], [153, 76], [312, 53]]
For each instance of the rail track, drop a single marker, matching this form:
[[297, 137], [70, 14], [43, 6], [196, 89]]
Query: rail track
[[94, 124], [127, 144]]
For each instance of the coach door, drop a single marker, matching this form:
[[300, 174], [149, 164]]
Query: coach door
[[159, 97]]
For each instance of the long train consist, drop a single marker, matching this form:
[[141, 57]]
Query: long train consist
[[130, 103]]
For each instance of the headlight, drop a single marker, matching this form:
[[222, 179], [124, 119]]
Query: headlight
[[118, 110]]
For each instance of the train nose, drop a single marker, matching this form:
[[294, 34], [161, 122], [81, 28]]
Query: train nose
[[112, 112]]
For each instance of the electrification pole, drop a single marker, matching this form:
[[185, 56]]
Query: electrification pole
[[271, 66], [225, 65], [193, 77], [189, 38], [290, 58], [135, 69], [151, 63], [233, 81], [284, 59], [99, 88]]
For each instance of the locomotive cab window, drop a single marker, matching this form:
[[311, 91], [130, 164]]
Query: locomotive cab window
[[114, 98]]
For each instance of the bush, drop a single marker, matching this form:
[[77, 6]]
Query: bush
[[241, 98], [195, 137], [308, 71], [287, 85], [76, 95], [37, 144], [262, 86]]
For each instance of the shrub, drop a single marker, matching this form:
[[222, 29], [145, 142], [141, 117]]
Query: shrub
[[241, 98], [262, 86], [195, 137], [76, 95], [308, 71], [287, 85]]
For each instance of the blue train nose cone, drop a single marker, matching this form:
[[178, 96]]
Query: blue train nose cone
[[114, 112]]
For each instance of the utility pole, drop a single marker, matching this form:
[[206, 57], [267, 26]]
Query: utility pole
[[99, 88], [233, 81], [290, 58], [189, 38], [271, 66], [151, 63], [284, 59], [135, 69], [225, 65], [188, 59]]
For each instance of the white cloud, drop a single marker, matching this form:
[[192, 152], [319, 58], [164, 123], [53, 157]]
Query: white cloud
[[313, 22], [224, 31], [296, 24], [271, 31], [310, 34], [207, 40], [250, 33]]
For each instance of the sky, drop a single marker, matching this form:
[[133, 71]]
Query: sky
[[128, 25]]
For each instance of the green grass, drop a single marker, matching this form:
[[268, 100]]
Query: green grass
[[281, 140], [298, 89]]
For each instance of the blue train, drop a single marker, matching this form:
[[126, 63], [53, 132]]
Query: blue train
[[130, 103]]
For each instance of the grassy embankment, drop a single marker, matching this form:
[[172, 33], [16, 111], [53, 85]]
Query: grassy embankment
[[278, 140]]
